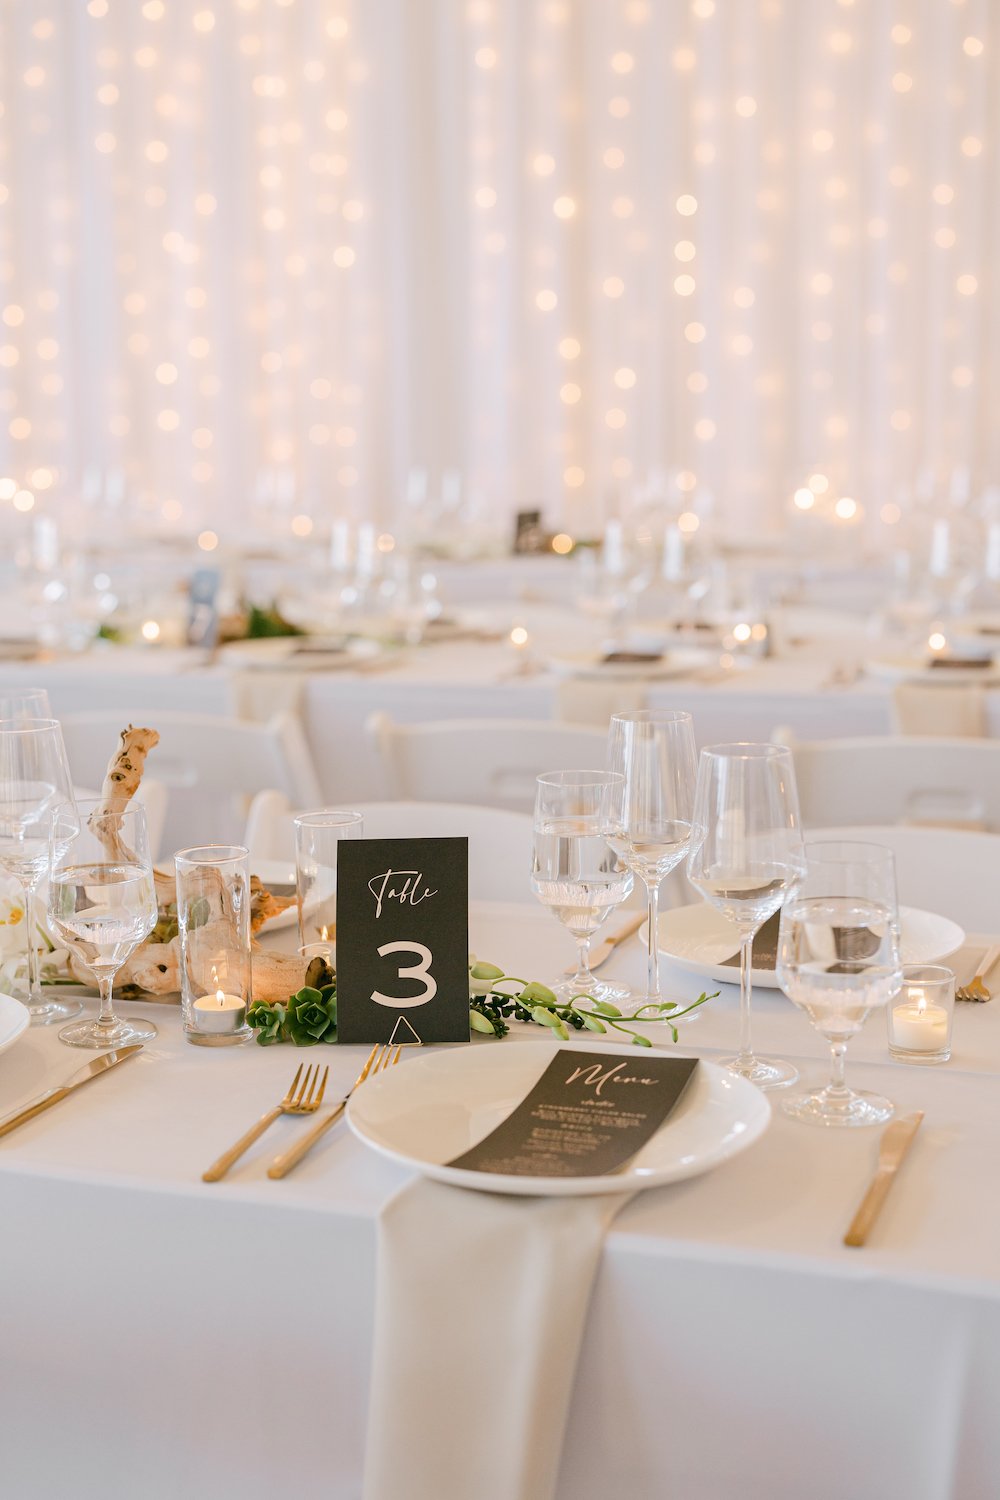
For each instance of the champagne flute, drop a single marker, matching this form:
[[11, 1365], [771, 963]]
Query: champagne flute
[[35, 787], [651, 809], [102, 901], [574, 870], [838, 959], [749, 857]]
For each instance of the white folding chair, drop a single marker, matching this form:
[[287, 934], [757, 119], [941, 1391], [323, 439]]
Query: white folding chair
[[489, 762], [499, 840], [944, 782], [210, 767], [951, 872]]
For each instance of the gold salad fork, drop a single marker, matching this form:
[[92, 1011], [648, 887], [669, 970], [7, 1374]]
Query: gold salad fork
[[976, 987], [383, 1055], [302, 1099]]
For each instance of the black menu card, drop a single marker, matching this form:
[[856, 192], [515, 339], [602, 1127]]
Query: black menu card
[[403, 940], [587, 1115]]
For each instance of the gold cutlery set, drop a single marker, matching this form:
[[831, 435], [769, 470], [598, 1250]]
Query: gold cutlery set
[[303, 1098]]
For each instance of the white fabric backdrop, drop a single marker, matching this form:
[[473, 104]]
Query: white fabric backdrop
[[555, 247]]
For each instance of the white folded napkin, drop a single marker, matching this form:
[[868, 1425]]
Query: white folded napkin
[[481, 1300], [584, 700], [947, 710]]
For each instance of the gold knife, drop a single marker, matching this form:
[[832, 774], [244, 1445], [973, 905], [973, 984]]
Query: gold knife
[[604, 949], [897, 1139], [74, 1081]]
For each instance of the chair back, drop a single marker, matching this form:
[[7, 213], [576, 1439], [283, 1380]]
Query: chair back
[[210, 767], [951, 783], [488, 762], [951, 872]]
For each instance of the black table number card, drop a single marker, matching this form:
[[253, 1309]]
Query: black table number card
[[587, 1115], [403, 940]]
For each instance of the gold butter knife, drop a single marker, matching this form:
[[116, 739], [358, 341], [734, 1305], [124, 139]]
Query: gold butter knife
[[74, 1081], [897, 1139], [604, 949]]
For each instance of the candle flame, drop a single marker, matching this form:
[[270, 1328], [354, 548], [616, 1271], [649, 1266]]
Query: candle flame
[[324, 932], [220, 997]]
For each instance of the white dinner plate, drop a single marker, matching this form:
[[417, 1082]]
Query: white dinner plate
[[698, 938], [675, 662], [308, 653], [277, 872], [915, 669], [436, 1105], [14, 1019]]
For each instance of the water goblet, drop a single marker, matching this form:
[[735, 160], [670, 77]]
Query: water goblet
[[574, 870], [102, 903], [35, 786], [748, 856], [651, 808], [838, 959]]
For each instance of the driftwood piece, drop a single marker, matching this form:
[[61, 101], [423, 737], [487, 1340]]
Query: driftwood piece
[[155, 968]]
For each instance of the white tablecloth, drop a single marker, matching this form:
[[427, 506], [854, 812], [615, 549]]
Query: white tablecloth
[[162, 1337]]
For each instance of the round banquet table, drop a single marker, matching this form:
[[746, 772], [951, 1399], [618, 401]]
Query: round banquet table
[[162, 1337]]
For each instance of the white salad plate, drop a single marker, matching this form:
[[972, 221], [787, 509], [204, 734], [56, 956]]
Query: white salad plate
[[917, 669], [308, 653], [698, 938], [434, 1106], [14, 1019], [675, 662]]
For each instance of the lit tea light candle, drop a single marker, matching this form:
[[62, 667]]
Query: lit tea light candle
[[219, 1012], [918, 1026]]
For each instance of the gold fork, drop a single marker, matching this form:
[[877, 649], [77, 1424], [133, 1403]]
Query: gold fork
[[382, 1056], [976, 988], [301, 1099]]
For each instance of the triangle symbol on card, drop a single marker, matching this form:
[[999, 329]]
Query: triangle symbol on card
[[399, 1036]]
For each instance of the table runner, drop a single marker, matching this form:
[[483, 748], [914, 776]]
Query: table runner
[[498, 1287]]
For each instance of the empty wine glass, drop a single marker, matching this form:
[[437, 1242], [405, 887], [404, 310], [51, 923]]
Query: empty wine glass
[[651, 808], [838, 959], [24, 703], [747, 861], [574, 870], [35, 786], [102, 902]]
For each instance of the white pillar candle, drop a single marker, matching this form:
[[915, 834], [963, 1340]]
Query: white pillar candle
[[219, 1012], [920, 1028]]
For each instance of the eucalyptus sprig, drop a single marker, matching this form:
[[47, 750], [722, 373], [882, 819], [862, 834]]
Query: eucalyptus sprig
[[490, 1008], [310, 1015]]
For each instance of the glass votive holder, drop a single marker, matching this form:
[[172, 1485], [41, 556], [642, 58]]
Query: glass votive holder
[[317, 835], [920, 1015], [213, 920]]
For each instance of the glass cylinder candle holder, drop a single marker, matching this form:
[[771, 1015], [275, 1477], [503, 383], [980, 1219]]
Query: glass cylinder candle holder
[[921, 1014], [213, 919], [317, 835]]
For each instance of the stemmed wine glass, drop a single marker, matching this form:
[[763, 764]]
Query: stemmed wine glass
[[35, 788], [838, 959], [749, 858], [574, 870], [102, 901], [651, 820]]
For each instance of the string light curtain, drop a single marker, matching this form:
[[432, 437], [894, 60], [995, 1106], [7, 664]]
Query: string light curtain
[[295, 249]]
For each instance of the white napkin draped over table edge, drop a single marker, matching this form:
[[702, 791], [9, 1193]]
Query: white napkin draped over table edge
[[498, 1286]]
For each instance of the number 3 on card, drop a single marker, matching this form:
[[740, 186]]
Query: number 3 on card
[[419, 970]]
